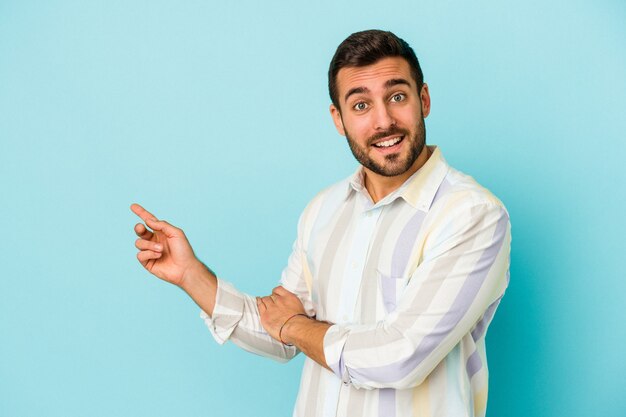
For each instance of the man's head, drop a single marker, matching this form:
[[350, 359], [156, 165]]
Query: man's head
[[379, 102]]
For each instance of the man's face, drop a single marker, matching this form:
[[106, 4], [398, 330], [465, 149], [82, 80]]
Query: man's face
[[382, 115]]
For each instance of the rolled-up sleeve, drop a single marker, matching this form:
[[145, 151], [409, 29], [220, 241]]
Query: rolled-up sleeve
[[227, 313], [460, 278], [236, 318]]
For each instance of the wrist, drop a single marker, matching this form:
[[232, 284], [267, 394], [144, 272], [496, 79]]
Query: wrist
[[196, 274], [289, 329], [200, 284]]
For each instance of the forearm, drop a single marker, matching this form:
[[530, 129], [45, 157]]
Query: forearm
[[231, 315], [308, 336], [440, 306], [200, 283], [249, 334]]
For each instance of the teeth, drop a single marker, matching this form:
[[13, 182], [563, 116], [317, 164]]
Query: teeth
[[388, 143]]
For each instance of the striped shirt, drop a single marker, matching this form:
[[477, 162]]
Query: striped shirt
[[410, 284]]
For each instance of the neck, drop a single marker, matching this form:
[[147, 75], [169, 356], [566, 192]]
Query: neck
[[379, 186]]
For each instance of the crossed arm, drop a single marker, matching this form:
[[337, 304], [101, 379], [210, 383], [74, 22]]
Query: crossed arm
[[165, 252], [453, 292]]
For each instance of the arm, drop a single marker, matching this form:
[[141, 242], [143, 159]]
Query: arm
[[230, 315], [462, 274]]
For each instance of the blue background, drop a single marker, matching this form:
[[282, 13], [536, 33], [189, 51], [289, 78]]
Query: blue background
[[215, 117]]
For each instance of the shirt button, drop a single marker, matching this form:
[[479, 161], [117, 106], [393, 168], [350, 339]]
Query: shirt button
[[354, 265]]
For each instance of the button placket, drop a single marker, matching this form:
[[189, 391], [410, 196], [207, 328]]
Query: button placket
[[364, 230]]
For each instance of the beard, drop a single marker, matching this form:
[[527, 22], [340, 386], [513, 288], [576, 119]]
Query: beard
[[394, 163]]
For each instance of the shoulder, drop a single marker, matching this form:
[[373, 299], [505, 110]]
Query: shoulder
[[462, 192], [463, 207]]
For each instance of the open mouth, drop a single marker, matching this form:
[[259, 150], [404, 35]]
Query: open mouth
[[390, 143]]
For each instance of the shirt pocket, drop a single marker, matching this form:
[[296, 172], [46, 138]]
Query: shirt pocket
[[390, 288]]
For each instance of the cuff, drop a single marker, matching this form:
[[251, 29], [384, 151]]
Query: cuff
[[334, 343], [227, 313]]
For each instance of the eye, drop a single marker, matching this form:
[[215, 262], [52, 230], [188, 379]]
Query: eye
[[360, 106], [398, 97]]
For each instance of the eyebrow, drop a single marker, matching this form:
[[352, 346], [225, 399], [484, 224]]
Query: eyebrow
[[396, 81], [356, 90], [388, 84]]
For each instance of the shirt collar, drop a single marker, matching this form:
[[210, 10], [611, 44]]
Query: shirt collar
[[418, 190]]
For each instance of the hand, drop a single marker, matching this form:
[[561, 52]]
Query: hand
[[165, 251], [277, 308]]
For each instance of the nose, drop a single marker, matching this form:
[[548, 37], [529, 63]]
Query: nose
[[384, 118]]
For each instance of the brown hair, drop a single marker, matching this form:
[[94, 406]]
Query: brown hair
[[366, 48]]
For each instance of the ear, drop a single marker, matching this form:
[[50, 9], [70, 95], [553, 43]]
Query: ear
[[425, 99], [336, 115]]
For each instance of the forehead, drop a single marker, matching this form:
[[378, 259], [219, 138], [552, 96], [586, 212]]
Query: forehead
[[373, 76]]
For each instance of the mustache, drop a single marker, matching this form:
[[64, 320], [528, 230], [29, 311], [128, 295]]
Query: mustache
[[390, 132]]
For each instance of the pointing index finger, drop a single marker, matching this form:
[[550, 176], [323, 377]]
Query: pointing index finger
[[144, 214], [154, 223]]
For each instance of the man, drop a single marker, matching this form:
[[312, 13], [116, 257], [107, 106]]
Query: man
[[395, 274]]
